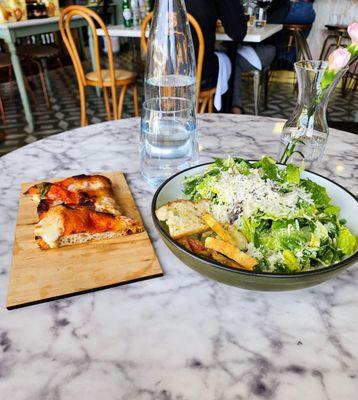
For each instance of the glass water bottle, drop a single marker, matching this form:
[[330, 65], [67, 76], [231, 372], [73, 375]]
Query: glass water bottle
[[170, 65]]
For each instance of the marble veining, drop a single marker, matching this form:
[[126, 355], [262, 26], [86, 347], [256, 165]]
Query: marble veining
[[180, 337]]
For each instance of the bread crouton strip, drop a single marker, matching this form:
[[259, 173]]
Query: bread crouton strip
[[230, 235], [218, 228], [231, 251]]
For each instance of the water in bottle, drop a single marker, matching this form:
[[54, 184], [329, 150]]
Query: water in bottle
[[171, 86], [169, 140]]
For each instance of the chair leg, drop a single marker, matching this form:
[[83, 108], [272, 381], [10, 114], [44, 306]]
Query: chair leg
[[43, 84], [344, 85], [203, 105], [266, 86], [135, 99], [121, 101], [29, 67], [211, 105], [83, 105], [2, 111], [257, 87], [65, 76], [106, 103], [323, 51], [355, 85], [46, 74], [33, 97], [11, 83]]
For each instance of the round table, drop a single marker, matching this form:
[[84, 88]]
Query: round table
[[181, 336]]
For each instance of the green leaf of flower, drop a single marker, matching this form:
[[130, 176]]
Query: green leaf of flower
[[353, 49], [327, 78]]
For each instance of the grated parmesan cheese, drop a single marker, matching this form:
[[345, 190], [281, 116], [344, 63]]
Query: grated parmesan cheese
[[254, 194]]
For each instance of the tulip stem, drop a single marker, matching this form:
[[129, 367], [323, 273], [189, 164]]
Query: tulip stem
[[290, 150]]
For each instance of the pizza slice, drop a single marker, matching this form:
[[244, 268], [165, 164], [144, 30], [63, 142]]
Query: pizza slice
[[77, 210], [64, 225], [93, 191]]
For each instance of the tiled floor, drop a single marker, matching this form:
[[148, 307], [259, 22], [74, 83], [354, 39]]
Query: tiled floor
[[64, 112]]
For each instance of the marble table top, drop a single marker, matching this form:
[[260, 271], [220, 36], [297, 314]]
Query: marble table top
[[182, 336]]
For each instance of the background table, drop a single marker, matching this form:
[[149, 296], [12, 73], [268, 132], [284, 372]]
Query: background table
[[181, 336], [254, 35], [13, 30]]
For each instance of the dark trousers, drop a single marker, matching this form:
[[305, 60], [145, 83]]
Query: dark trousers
[[266, 54]]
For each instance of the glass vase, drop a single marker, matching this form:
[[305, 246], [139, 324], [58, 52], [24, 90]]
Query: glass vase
[[304, 135]]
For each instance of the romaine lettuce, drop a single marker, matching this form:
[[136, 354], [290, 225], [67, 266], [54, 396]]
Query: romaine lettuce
[[293, 174], [318, 193], [291, 260], [346, 241]]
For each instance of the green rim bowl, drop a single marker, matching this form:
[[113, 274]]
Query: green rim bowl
[[171, 190]]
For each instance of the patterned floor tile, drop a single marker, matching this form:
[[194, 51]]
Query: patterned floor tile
[[64, 111]]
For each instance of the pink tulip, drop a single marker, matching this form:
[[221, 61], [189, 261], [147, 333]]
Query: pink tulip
[[353, 32], [338, 59]]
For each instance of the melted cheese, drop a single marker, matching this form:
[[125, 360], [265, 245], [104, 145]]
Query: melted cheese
[[108, 205], [85, 185], [50, 229]]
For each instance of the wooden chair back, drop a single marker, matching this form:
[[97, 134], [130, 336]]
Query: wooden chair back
[[92, 18], [201, 49]]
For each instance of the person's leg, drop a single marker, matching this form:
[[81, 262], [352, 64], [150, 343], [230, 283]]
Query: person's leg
[[242, 65], [266, 54]]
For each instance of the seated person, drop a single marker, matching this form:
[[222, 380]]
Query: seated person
[[207, 12], [301, 12], [265, 52]]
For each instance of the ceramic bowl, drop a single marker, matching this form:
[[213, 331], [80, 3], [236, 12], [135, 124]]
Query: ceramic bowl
[[171, 190]]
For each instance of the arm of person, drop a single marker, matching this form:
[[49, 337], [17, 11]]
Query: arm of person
[[232, 16]]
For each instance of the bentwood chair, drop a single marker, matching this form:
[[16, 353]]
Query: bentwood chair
[[107, 78], [205, 98], [40, 54], [5, 63]]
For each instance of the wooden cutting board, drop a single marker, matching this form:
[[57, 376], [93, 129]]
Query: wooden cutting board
[[40, 275]]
